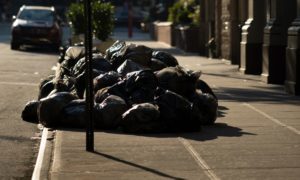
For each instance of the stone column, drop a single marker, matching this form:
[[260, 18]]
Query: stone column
[[292, 80], [218, 27], [280, 14], [234, 32], [208, 9], [204, 27], [252, 38]]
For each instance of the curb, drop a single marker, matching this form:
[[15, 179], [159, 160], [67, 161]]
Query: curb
[[40, 158]]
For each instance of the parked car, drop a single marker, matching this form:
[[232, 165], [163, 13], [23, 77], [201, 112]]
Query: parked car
[[36, 25]]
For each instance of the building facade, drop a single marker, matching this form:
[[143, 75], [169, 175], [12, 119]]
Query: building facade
[[261, 36]]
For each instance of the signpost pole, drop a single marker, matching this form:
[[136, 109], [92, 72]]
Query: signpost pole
[[89, 85]]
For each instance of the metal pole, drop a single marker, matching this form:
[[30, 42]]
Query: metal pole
[[89, 84]]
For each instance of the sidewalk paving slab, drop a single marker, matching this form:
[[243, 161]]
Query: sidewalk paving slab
[[252, 138]]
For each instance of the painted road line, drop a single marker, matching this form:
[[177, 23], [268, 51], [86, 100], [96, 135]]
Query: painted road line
[[204, 166], [273, 119], [40, 158], [18, 83]]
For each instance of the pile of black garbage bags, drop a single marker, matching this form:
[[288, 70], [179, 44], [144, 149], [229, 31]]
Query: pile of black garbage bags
[[136, 89]]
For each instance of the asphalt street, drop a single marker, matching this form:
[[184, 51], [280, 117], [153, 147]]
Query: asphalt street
[[20, 74]]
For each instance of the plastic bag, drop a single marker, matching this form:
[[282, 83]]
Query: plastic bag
[[29, 112], [204, 108], [175, 112], [139, 54], [49, 110], [105, 80], [140, 86], [204, 87], [100, 63], [165, 57], [129, 66], [141, 118], [117, 46], [75, 53], [156, 65], [178, 79], [140, 79], [117, 89], [45, 89], [115, 54], [108, 114], [74, 114]]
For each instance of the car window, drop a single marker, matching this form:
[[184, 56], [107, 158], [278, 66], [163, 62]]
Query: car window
[[36, 15]]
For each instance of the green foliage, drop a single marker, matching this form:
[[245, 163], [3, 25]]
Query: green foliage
[[76, 16], [185, 12], [102, 18]]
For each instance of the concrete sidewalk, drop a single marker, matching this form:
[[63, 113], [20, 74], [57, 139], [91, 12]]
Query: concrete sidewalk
[[255, 137]]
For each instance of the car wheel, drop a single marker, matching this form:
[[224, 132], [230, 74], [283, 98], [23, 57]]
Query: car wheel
[[14, 46]]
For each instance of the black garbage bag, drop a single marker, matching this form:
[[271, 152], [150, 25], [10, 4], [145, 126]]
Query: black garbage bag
[[65, 68], [49, 110], [67, 84], [115, 54], [178, 80], [80, 82], [140, 79], [100, 63], [139, 54], [205, 88], [140, 86], [156, 65], [142, 118], [46, 80], [204, 108], [175, 112], [29, 112], [141, 95], [45, 89], [165, 57], [74, 114], [116, 47], [105, 80], [129, 66], [108, 114], [72, 56], [75, 53], [101, 94], [79, 67], [117, 89]]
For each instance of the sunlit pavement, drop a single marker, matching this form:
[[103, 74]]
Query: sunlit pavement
[[255, 137]]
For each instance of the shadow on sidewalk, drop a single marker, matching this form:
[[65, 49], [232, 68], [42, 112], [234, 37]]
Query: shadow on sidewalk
[[222, 111], [215, 131], [151, 170], [206, 133], [270, 94]]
